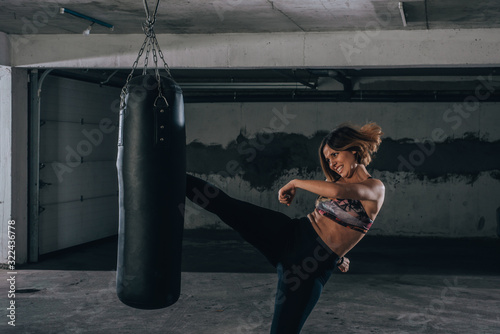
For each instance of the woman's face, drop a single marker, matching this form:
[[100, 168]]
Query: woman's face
[[341, 162]]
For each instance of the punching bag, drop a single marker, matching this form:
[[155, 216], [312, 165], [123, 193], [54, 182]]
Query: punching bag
[[151, 167]]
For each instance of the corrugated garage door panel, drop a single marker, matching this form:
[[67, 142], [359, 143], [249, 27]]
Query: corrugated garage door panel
[[76, 183], [63, 142], [72, 100], [69, 224], [78, 146]]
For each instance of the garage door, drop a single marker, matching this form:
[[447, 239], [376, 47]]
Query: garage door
[[78, 183]]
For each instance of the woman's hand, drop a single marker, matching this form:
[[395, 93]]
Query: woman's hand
[[287, 193], [344, 267]]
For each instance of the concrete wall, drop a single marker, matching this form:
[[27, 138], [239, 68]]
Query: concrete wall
[[20, 160], [439, 161], [13, 163], [5, 157], [4, 49]]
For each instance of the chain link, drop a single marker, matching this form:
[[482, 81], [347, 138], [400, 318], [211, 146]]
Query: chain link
[[146, 57], [165, 65], [150, 44], [123, 93], [155, 59]]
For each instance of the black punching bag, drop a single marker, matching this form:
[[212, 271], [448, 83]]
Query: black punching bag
[[151, 167]]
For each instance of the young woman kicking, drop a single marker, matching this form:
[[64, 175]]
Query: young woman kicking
[[305, 251]]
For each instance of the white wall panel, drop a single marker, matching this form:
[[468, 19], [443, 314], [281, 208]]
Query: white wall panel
[[64, 225], [79, 200]]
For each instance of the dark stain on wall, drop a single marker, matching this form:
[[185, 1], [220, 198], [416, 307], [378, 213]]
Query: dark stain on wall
[[480, 224], [259, 160], [466, 157], [263, 159], [495, 175]]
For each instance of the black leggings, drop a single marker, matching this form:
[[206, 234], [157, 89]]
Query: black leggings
[[303, 261]]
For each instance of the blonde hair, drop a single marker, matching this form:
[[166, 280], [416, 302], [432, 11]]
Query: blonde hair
[[363, 140]]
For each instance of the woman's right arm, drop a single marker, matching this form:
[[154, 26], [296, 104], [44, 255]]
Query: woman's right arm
[[368, 190]]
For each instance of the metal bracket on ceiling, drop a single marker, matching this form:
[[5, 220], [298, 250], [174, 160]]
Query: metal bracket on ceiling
[[336, 75], [302, 82], [342, 78], [402, 11]]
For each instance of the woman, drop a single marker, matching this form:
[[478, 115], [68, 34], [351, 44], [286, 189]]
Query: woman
[[306, 251]]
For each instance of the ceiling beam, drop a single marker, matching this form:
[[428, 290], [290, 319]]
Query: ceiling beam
[[339, 50], [4, 49]]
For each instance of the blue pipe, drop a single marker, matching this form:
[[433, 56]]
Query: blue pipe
[[85, 17]]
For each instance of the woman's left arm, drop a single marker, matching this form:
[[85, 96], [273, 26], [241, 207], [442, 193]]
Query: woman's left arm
[[370, 190]]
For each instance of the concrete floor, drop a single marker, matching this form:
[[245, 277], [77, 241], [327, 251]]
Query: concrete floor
[[395, 285]]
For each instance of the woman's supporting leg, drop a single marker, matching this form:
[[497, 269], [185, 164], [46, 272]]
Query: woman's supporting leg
[[282, 240], [302, 274], [263, 228], [296, 296]]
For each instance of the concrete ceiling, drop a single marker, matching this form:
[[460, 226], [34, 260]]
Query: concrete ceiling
[[438, 56], [246, 16]]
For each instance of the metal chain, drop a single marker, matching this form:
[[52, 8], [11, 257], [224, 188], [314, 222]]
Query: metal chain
[[146, 8], [146, 57], [134, 67], [150, 44], [165, 65], [157, 73], [155, 59], [155, 46]]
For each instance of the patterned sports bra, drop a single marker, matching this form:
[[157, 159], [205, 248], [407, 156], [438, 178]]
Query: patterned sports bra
[[346, 212]]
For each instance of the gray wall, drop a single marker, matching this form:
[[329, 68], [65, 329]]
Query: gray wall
[[439, 161], [5, 157], [4, 49], [13, 163]]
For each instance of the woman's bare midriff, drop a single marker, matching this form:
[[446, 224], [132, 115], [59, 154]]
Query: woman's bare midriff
[[340, 239]]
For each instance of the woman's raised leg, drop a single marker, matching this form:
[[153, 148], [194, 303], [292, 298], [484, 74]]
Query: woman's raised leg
[[263, 228]]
